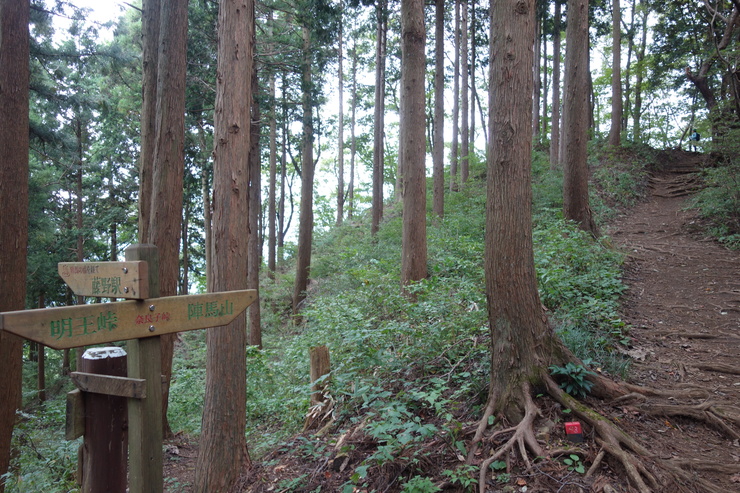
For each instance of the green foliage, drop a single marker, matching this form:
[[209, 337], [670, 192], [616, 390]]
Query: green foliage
[[45, 460], [719, 201], [419, 484], [574, 464], [466, 475], [575, 382]]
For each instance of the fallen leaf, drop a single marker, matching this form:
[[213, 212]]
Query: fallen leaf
[[521, 482]]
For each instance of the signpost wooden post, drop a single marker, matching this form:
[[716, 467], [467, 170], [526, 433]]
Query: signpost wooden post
[[140, 321]]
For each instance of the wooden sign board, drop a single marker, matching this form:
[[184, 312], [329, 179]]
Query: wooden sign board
[[128, 280], [100, 323]]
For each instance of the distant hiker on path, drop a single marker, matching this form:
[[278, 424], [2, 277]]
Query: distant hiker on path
[[694, 138]]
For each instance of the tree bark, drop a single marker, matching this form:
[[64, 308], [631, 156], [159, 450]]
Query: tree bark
[[555, 126], [438, 148], [413, 118], [305, 224], [379, 117], [255, 207], [340, 125], [517, 323], [223, 449], [149, 61], [272, 186], [464, 83], [640, 55], [615, 133], [169, 158], [353, 138], [14, 79], [576, 117], [455, 146]]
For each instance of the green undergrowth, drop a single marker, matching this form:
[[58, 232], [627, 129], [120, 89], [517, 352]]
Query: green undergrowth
[[407, 369]]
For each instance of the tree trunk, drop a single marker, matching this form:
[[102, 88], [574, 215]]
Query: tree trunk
[[340, 125], [223, 449], [455, 147], [473, 62], [576, 117], [379, 117], [305, 226], [438, 148], [14, 78], [517, 323], [637, 109], [615, 133], [464, 83], [555, 126], [413, 121], [255, 207], [353, 148], [167, 174], [537, 79], [150, 20], [272, 186]]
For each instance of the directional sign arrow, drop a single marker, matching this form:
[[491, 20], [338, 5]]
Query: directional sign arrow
[[100, 323], [127, 280]]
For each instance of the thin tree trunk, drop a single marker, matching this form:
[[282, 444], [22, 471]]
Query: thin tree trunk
[[379, 119], [413, 116], [305, 225], [473, 62], [537, 78], [464, 130], [223, 448], [555, 126], [616, 123], [455, 148], [340, 124], [637, 110], [353, 150], [255, 206], [272, 185], [575, 118], [438, 149]]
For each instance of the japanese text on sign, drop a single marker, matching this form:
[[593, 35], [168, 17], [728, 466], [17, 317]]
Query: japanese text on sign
[[81, 326], [210, 309], [106, 285]]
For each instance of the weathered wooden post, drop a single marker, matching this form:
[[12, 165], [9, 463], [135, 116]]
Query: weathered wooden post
[[145, 415], [140, 320], [320, 367], [105, 446]]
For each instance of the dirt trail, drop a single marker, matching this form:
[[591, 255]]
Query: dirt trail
[[683, 303]]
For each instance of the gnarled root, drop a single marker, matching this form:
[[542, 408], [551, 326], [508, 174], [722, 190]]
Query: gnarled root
[[630, 454]]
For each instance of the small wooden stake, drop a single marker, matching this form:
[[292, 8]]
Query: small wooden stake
[[320, 366]]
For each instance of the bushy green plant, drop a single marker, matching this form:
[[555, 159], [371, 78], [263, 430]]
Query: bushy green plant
[[574, 379], [419, 484]]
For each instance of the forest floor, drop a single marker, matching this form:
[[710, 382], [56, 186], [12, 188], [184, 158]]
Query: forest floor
[[683, 306]]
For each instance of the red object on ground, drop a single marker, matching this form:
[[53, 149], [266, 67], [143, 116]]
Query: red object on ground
[[573, 431]]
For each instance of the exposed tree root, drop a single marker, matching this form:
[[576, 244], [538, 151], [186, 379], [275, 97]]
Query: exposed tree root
[[703, 412], [718, 367], [645, 471], [522, 437]]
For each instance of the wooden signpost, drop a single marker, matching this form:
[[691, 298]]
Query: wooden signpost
[[140, 321]]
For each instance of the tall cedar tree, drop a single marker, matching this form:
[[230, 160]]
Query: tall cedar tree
[[555, 128], [305, 221], [576, 118], [413, 122], [169, 161], [438, 148], [14, 79], [223, 448], [381, 13], [615, 132]]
